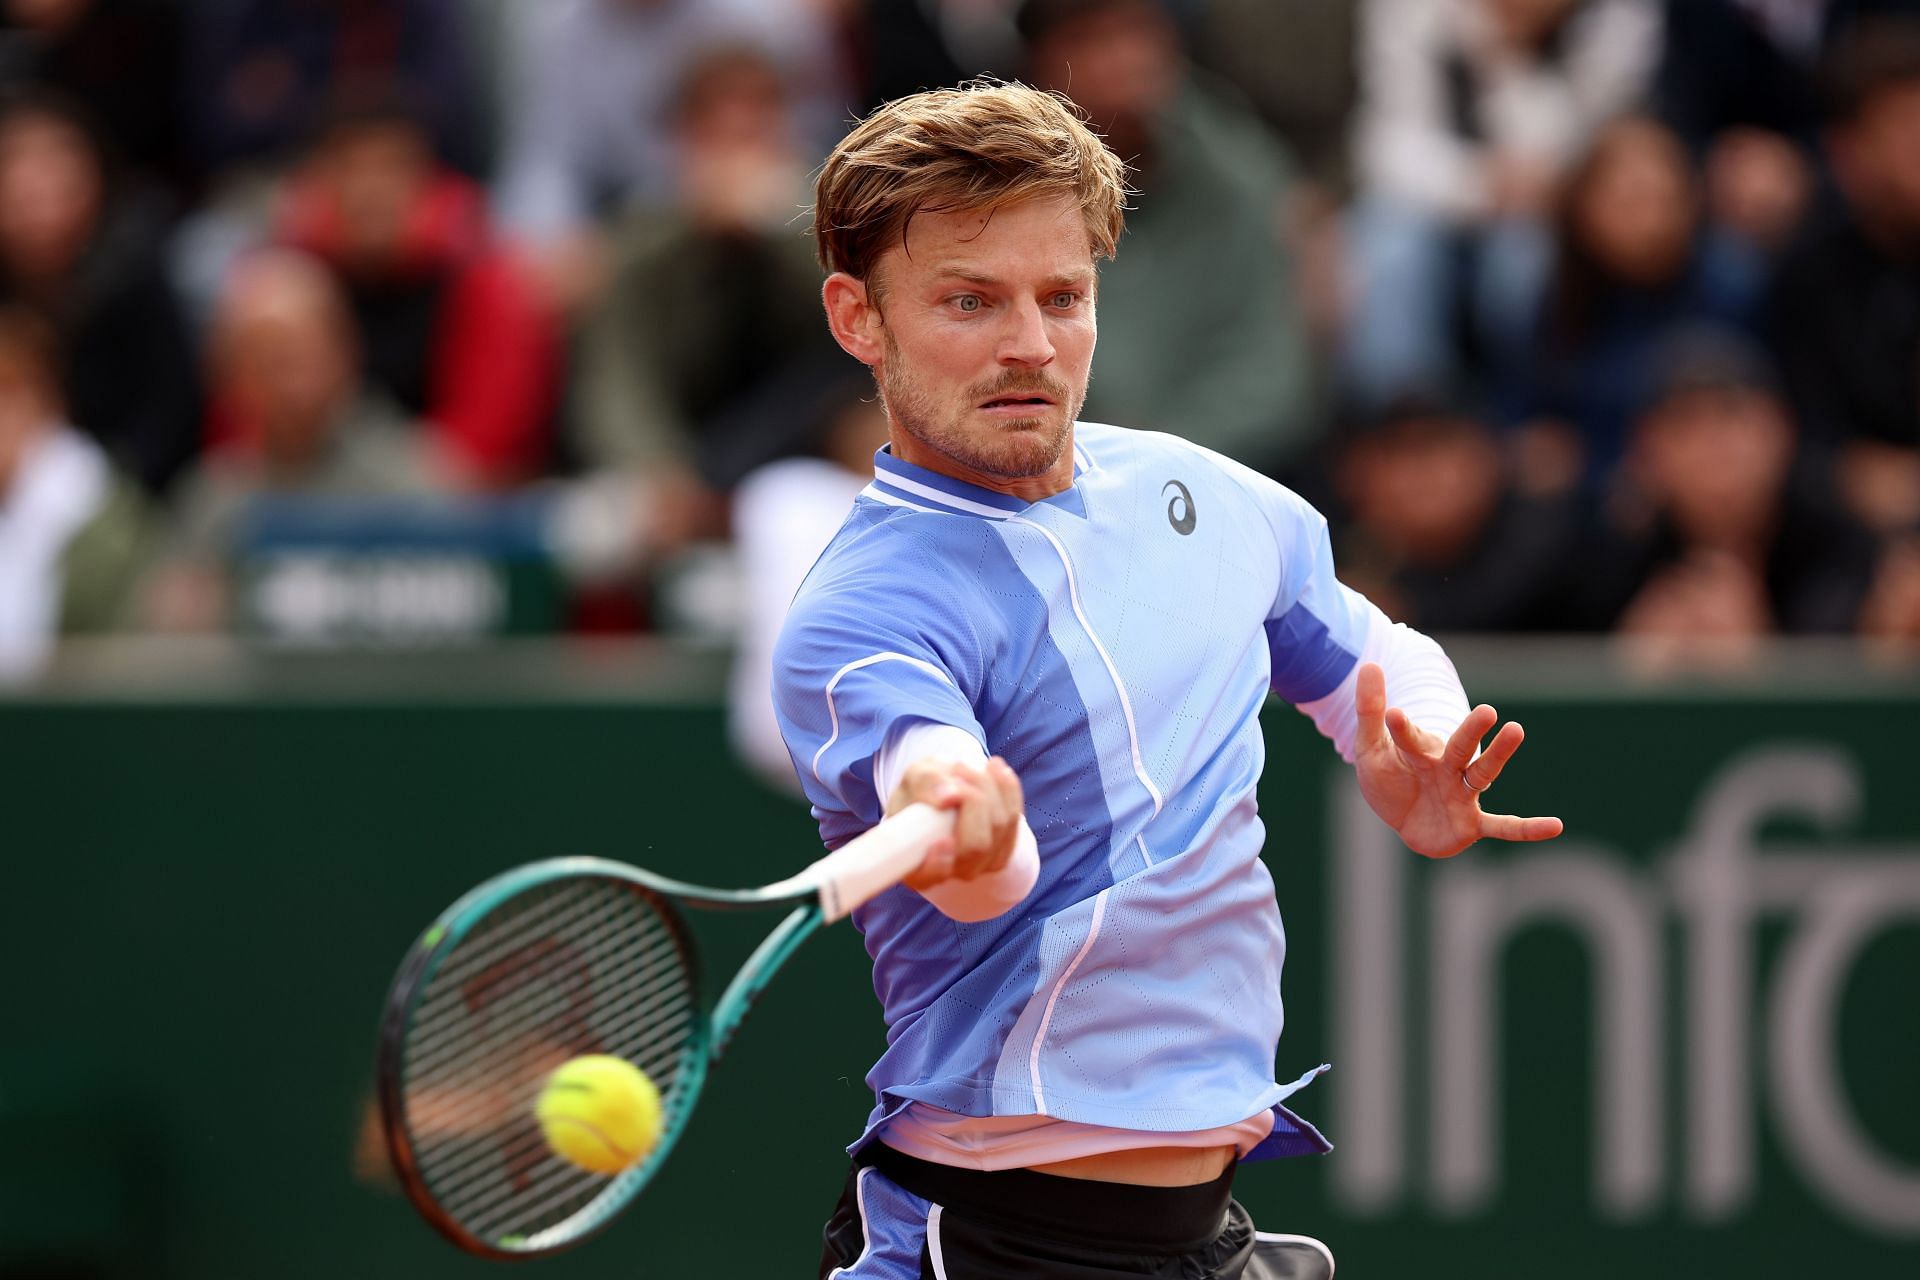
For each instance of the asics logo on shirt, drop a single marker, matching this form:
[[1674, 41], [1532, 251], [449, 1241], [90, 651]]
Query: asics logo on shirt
[[1179, 508]]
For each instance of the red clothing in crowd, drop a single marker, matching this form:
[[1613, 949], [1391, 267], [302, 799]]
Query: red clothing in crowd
[[450, 322]]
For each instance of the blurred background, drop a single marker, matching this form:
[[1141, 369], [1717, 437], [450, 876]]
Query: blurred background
[[416, 414]]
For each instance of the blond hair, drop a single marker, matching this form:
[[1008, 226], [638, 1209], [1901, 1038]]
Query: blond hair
[[974, 147]]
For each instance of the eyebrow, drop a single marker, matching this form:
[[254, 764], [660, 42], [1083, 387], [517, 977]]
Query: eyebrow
[[954, 271]]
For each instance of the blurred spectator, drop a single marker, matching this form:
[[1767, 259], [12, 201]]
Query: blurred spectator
[[1470, 111], [261, 73], [710, 331], [1847, 308], [903, 48], [1715, 545], [86, 253], [1296, 64], [283, 354], [590, 127], [1201, 329], [1437, 531], [69, 527], [1737, 82], [449, 320], [121, 57], [1729, 64], [1636, 261], [1891, 616], [784, 514]]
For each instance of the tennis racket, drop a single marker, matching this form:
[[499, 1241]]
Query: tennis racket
[[566, 957]]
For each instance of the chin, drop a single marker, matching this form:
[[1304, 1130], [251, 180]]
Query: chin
[[1033, 452]]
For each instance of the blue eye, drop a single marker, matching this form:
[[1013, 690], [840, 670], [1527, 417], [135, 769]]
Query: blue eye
[[968, 302], [1065, 300]]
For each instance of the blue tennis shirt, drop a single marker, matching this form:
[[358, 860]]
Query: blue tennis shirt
[[1114, 643]]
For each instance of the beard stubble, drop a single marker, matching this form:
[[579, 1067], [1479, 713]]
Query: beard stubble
[[1011, 449]]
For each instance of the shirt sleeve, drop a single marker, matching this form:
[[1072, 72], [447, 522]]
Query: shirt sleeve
[[853, 665], [1421, 681], [1317, 626], [1319, 631]]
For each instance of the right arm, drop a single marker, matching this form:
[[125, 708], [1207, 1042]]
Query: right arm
[[992, 861], [871, 691]]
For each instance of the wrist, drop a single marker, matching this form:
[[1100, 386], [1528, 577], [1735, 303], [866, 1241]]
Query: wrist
[[994, 894]]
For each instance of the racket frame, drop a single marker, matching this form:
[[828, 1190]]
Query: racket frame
[[829, 889]]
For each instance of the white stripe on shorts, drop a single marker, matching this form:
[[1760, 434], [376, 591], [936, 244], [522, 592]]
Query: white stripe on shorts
[[933, 1243], [866, 1228]]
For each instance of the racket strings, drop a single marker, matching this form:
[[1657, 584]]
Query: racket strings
[[511, 1013], [669, 1029], [529, 1193], [583, 965], [472, 1082]]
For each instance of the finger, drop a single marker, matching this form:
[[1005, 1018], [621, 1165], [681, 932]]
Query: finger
[[1009, 783], [1006, 830], [997, 845], [970, 779], [936, 782], [1503, 826], [1466, 739], [973, 834], [916, 786], [935, 867], [1410, 737], [1481, 773], [1370, 704]]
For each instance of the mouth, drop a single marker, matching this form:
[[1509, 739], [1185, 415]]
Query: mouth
[[1017, 404]]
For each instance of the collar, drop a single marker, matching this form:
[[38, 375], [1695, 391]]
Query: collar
[[902, 484]]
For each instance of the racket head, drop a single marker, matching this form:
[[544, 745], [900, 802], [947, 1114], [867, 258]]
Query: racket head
[[537, 966]]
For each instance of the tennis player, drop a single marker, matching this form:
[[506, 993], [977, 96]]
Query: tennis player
[[1065, 632]]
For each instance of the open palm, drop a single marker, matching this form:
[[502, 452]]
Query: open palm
[[1427, 789]]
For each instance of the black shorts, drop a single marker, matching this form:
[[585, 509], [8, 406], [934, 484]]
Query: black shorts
[[905, 1219]]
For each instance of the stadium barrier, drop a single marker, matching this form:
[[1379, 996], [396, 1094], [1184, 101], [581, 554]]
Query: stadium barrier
[[1680, 1042]]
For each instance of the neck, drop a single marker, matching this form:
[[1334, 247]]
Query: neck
[[1057, 478]]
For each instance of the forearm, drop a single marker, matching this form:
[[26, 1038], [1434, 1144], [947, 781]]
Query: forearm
[[1421, 681]]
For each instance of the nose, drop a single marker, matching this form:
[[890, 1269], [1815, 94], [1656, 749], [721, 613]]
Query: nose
[[1024, 340]]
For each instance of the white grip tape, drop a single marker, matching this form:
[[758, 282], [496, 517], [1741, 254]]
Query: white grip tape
[[877, 860]]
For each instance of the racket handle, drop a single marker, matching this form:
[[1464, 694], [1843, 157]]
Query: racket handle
[[872, 863]]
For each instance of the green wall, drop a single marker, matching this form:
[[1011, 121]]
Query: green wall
[[207, 893]]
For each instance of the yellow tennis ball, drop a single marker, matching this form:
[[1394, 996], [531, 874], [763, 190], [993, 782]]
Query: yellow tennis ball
[[600, 1113]]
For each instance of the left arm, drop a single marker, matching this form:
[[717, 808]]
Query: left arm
[[1427, 787], [1401, 718], [1386, 696]]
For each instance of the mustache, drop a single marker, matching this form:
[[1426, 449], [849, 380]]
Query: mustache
[[1018, 384]]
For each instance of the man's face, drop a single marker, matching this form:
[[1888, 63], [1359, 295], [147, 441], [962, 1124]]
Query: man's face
[[376, 174], [49, 193], [1120, 66], [1426, 488], [1716, 460], [988, 332], [1881, 152]]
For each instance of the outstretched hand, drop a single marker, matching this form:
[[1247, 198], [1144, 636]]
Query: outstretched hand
[[1429, 790]]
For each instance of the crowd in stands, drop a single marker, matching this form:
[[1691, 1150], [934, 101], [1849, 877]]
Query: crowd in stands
[[1591, 316]]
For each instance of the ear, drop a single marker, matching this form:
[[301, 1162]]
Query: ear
[[853, 317]]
